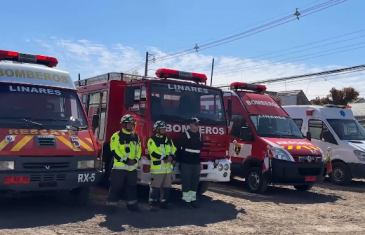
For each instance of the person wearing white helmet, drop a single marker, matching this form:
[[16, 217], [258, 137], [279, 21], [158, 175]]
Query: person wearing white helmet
[[125, 146], [162, 153]]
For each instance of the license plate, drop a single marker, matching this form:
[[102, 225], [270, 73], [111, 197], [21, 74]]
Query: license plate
[[310, 178], [16, 180]]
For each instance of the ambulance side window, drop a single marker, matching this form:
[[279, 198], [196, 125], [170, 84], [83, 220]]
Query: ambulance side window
[[316, 128], [238, 122], [299, 123]]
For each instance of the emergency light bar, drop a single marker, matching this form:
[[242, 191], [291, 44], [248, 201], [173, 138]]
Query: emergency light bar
[[28, 58], [170, 73], [247, 86]]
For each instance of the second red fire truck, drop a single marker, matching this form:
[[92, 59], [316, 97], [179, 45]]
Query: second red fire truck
[[174, 96]]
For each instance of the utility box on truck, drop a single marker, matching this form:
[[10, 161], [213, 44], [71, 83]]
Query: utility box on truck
[[266, 146], [334, 126], [108, 97], [46, 143]]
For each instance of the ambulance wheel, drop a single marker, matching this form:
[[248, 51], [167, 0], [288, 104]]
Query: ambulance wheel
[[81, 195], [305, 187], [203, 187], [340, 174], [255, 182]]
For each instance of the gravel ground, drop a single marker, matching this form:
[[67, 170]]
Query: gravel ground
[[226, 209]]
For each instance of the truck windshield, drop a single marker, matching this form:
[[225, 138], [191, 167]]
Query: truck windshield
[[347, 129], [276, 126], [40, 107], [179, 102]]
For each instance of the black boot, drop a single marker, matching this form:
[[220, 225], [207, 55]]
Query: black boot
[[165, 205], [111, 209], [188, 205], [153, 206], [194, 204], [133, 207]]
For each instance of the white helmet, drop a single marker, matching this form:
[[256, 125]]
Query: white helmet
[[159, 125], [128, 118]]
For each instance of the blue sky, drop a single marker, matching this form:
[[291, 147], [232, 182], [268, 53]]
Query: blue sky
[[95, 37]]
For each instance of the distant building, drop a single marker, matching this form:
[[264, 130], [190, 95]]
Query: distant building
[[358, 108], [296, 97]]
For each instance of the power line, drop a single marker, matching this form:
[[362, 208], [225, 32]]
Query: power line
[[290, 60], [261, 28], [243, 61]]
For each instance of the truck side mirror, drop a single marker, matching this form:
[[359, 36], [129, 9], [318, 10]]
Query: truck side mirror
[[309, 136], [95, 121], [129, 96], [229, 109], [245, 133]]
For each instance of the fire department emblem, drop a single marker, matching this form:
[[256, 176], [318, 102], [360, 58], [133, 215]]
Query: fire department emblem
[[10, 138], [237, 148]]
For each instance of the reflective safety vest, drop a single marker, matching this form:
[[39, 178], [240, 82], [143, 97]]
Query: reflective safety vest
[[160, 148], [125, 146]]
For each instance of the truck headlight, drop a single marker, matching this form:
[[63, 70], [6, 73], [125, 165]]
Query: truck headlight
[[220, 167], [86, 164], [226, 167], [7, 165], [281, 154], [360, 155]]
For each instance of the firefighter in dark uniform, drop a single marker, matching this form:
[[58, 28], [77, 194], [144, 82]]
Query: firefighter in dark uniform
[[162, 153], [189, 146], [125, 146]]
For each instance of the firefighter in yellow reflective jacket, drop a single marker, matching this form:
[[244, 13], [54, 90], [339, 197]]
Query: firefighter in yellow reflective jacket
[[125, 146], [162, 153]]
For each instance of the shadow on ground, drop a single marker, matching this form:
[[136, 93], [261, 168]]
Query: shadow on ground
[[37, 211], [356, 186], [211, 211], [276, 194]]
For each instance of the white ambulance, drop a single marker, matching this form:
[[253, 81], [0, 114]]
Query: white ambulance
[[334, 126]]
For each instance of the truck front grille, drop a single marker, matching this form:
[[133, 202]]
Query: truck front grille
[[48, 177], [46, 141], [45, 165]]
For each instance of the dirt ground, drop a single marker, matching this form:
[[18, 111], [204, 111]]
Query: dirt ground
[[225, 209]]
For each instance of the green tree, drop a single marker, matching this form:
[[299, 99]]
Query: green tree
[[338, 97]]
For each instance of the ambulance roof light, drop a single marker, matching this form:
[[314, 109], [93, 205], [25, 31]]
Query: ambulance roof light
[[28, 58], [309, 112], [171, 73], [247, 86]]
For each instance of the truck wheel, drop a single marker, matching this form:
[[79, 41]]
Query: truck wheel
[[255, 181], [81, 195], [340, 174], [203, 187], [305, 187]]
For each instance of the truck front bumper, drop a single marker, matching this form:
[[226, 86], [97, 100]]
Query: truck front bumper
[[47, 174], [296, 173]]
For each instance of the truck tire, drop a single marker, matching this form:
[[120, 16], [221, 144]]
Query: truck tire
[[340, 174], [255, 182], [81, 195], [304, 187], [203, 187]]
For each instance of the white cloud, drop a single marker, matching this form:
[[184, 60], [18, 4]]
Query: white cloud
[[90, 59]]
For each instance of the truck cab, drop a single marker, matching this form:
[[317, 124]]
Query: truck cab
[[174, 97], [266, 146], [46, 143], [334, 126]]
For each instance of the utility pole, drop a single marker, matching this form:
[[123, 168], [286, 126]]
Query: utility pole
[[211, 75], [146, 65]]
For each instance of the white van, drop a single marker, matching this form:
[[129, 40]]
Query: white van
[[334, 126]]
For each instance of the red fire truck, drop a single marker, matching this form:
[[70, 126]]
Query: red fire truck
[[174, 96], [46, 142], [261, 130]]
